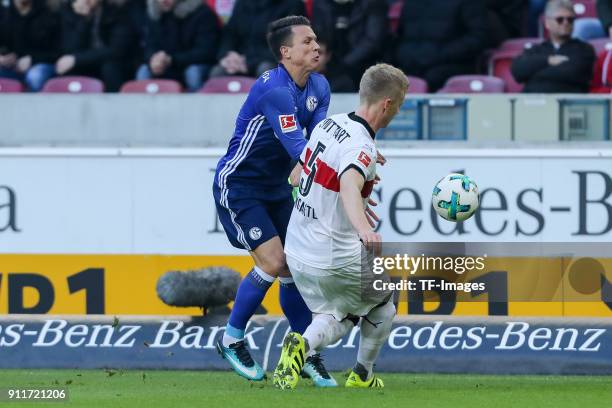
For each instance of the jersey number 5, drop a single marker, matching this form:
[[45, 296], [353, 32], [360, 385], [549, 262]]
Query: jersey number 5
[[311, 167]]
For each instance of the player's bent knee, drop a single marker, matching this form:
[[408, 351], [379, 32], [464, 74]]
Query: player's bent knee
[[274, 265], [270, 257], [384, 312]]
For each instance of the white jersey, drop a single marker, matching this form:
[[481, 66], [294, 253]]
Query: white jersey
[[319, 232]]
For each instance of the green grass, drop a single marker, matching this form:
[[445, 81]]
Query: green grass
[[152, 389]]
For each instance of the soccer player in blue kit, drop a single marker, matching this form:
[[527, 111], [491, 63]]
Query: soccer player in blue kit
[[251, 192]]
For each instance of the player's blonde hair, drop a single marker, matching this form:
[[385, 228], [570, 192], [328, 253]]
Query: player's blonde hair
[[382, 81]]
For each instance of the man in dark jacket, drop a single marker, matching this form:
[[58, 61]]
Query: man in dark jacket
[[244, 50], [339, 80], [440, 38], [604, 11], [29, 33], [96, 39], [180, 41], [357, 30], [561, 64], [506, 20]]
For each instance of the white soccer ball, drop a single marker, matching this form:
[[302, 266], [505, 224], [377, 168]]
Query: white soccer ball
[[455, 197]]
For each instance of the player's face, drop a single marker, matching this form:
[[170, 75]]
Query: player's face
[[392, 108], [304, 50]]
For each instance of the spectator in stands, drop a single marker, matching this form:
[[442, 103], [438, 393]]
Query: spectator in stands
[[180, 42], [29, 34], [506, 20], [561, 64], [339, 81], [534, 11], [137, 15], [96, 40], [356, 29], [244, 50], [440, 38], [602, 78], [222, 8], [604, 12]]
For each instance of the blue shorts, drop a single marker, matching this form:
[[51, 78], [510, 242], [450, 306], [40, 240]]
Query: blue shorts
[[251, 218]]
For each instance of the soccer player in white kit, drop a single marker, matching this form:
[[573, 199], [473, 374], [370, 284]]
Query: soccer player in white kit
[[328, 227]]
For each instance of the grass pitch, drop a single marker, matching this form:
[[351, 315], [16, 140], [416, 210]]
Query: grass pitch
[[152, 389]]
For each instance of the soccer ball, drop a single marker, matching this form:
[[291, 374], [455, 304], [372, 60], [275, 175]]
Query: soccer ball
[[455, 197]]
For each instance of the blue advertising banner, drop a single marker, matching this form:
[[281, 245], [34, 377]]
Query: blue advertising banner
[[440, 344]]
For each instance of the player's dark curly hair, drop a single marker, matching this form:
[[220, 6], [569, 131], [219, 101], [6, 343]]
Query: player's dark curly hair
[[280, 33]]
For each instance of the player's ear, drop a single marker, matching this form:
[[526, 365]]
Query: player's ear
[[285, 52], [387, 104]]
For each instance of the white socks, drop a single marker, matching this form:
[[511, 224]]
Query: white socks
[[374, 336], [325, 330]]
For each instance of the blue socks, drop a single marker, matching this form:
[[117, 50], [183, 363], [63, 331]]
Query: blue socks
[[251, 293], [293, 306]]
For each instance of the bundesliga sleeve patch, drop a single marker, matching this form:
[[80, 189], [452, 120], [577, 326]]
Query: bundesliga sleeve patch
[[287, 123], [364, 158]]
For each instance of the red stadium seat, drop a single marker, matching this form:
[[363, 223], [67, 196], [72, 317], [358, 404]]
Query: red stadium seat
[[417, 85], [10, 85], [585, 8], [73, 84], [394, 14], [308, 7], [601, 45], [228, 84], [152, 86], [499, 66], [473, 84]]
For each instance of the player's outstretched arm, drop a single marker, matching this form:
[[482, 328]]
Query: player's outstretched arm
[[351, 183], [278, 107]]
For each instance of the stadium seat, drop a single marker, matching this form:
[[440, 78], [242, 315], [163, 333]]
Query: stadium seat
[[500, 60], [73, 84], [228, 84], [585, 8], [417, 85], [601, 45], [308, 7], [394, 14], [473, 84], [152, 86], [499, 66], [10, 85]]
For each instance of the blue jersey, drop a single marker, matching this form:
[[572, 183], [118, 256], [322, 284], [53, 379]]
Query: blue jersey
[[269, 131]]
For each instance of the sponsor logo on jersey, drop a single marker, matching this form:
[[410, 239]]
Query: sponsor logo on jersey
[[364, 158], [311, 103], [255, 233], [287, 123]]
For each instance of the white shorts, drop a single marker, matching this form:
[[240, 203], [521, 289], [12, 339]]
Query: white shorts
[[336, 292]]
